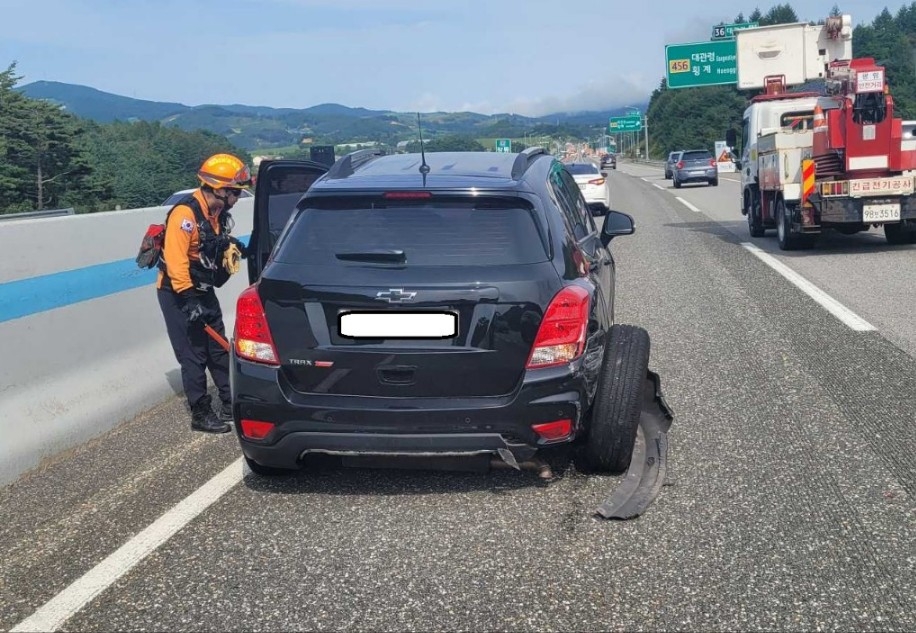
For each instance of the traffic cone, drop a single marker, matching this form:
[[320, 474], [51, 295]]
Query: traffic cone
[[821, 140]]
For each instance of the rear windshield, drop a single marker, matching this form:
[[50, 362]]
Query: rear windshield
[[580, 168], [456, 234], [699, 155]]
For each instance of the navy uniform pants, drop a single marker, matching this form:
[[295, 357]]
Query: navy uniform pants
[[194, 349]]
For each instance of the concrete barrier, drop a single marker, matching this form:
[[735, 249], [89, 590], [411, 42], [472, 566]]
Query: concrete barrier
[[83, 343]]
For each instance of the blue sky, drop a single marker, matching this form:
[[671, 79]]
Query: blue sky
[[531, 57]]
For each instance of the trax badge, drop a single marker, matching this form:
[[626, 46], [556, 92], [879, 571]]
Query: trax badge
[[311, 363], [396, 295]]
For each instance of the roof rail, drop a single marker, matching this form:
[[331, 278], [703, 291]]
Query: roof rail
[[348, 164], [524, 159]]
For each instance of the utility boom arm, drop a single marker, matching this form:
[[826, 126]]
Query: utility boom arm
[[797, 52]]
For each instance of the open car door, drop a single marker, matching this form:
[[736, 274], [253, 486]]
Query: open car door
[[280, 186]]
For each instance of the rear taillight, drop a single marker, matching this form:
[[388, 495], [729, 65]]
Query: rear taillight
[[680, 164], [256, 429], [561, 336], [252, 336], [552, 431], [596, 181], [712, 162]]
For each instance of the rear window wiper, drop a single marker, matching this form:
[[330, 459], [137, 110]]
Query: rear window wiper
[[379, 255]]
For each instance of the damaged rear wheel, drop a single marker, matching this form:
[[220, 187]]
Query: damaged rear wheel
[[615, 412]]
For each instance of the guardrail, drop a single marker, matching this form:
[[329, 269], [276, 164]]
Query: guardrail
[[84, 344], [46, 213]]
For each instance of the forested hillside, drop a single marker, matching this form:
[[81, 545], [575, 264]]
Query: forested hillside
[[50, 159]]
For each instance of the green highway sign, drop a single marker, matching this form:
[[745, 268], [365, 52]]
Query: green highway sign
[[504, 145], [632, 123], [722, 31], [702, 64]]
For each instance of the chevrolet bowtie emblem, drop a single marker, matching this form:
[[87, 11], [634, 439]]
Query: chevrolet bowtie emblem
[[395, 295]]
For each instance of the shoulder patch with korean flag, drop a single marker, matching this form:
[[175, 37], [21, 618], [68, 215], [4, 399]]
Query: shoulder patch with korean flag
[[187, 226]]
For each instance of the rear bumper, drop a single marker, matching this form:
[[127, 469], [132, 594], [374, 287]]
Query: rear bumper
[[288, 451], [596, 197], [850, 210], [355, 425], [690, 175]]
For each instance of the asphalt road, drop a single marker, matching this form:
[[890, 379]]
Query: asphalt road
[[792, 503]]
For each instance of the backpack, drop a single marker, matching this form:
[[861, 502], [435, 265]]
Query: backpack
[[150, 253], [151, 246]]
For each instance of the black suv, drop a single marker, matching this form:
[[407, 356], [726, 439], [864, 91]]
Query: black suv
[[453, 304]]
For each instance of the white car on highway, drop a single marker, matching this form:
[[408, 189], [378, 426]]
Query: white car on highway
[[593, 184]]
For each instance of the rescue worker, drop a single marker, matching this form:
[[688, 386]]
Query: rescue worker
[[198, 255]]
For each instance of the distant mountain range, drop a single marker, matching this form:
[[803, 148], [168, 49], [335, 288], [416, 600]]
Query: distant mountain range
[[257, 128]]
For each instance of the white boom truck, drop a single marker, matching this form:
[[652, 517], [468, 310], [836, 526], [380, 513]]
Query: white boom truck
[[835, 158]]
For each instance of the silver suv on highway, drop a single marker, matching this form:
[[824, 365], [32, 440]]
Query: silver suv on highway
[[673, 157], [696, 165]]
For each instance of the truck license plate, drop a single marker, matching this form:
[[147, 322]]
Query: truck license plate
[[889, 212]]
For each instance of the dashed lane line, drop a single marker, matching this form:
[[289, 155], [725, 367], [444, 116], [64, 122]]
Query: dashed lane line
[[688, 205]]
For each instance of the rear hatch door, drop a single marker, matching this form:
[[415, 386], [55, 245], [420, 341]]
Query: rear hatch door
[[280, 185], [697, 162], [410, 299]]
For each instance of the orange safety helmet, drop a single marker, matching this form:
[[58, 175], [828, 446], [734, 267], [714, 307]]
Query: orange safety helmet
[[224, 170]]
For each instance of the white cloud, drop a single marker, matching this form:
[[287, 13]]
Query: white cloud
[[607, 93]]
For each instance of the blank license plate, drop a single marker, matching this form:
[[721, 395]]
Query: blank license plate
[[398, 324], [889, 212]]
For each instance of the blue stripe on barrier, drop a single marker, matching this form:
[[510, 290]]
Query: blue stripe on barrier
[[25, 297]]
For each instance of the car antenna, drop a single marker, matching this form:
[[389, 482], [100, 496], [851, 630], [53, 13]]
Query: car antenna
[[424, 168]]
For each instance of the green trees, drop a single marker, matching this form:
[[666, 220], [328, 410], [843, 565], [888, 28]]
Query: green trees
[[40, 158], [447, 144], [51, 159]]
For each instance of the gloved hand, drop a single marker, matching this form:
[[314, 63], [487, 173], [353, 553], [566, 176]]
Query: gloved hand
[[232, 259], [239, 245], [194, 308]]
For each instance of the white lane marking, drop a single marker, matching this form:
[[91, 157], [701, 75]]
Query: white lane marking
[[61, 607], [645, 179], [687, 204], [658, 186], [827, 302]]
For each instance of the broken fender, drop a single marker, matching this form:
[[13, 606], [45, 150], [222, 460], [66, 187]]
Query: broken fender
[[649, 464]]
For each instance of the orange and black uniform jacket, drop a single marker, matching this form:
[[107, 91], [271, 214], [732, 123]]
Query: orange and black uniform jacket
[[182, 240]]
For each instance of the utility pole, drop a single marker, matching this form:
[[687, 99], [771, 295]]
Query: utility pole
[[646, 128]]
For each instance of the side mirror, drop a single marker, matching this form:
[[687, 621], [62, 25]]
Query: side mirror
[[616, 223], [731, 138]]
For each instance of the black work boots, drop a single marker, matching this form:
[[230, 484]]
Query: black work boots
[[225, 412], [204, 419]]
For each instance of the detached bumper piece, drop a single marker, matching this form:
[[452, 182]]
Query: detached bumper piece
[[646, 474]]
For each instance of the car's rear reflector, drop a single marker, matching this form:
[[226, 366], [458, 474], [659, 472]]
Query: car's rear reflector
[[552, 431], [252, 335], [561, 335], [256, 429], [407, 195]]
